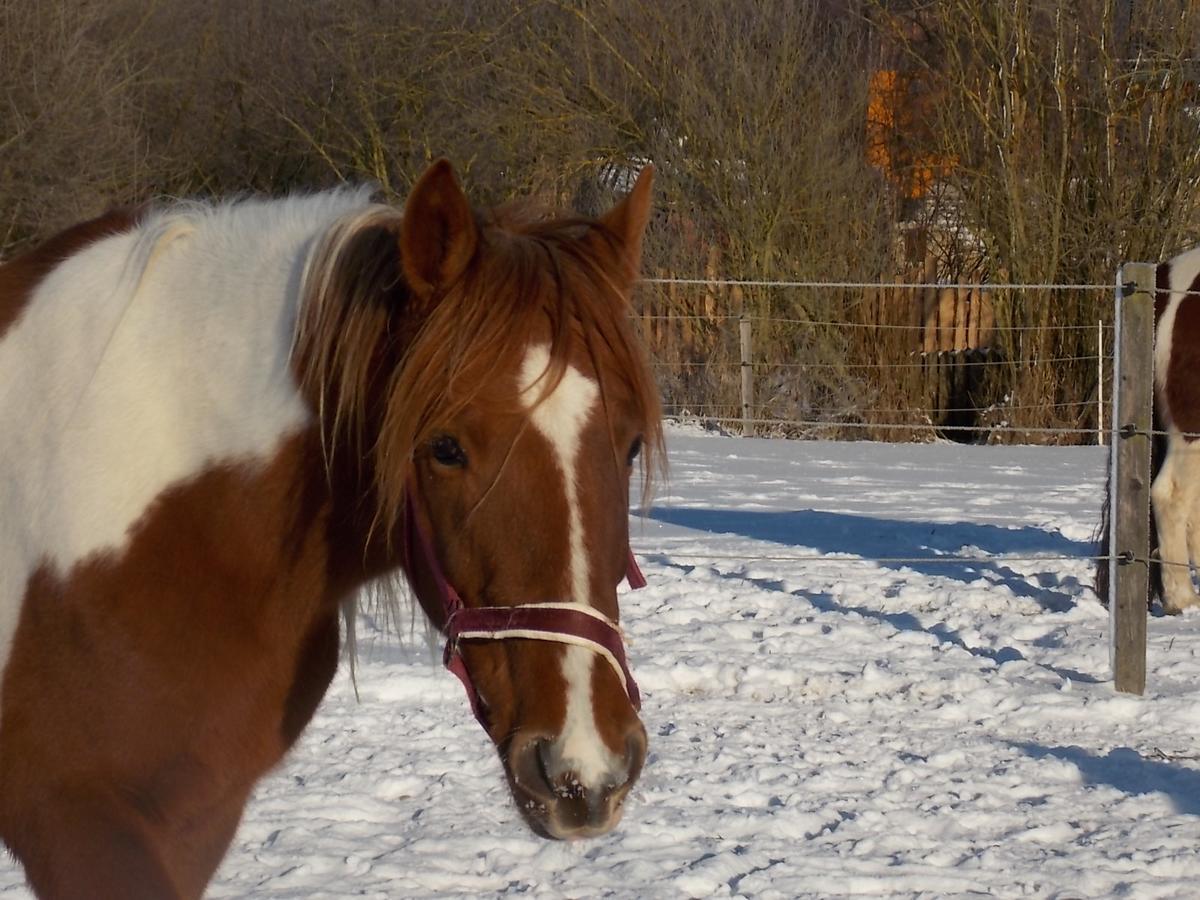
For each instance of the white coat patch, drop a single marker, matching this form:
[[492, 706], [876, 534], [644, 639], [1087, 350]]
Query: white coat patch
[[561, 418], [1184, 269], [141, 361]]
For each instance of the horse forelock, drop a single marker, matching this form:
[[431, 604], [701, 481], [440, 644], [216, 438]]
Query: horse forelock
[[387, 369]]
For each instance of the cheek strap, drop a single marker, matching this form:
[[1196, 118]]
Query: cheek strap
[[563, 623], [575, 624]]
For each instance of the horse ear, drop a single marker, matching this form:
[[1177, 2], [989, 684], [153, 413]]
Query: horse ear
[[627, 221], [439, 235]]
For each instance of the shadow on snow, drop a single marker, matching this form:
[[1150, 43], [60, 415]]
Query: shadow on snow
[[873, 538], [876, 539], [1129, 772]]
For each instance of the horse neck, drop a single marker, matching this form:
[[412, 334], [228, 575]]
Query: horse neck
[[362, 545]]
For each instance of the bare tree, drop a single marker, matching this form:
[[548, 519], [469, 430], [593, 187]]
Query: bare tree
[[68, 137], [1050, 140], [1074, 142]]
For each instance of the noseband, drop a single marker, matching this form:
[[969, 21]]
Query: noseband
[[575, 624]]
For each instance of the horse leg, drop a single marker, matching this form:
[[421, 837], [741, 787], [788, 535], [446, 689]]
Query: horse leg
[[1189, 482], [84, 845], [1175, 494]]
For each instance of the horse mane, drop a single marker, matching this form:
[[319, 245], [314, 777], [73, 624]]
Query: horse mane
[[385, 373]]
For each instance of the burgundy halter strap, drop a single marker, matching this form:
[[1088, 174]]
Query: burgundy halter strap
[[563, 623]]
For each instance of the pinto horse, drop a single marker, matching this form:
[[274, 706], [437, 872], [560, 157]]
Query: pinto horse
[[1175, 451], [218, 423]]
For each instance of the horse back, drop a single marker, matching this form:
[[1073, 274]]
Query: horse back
[[171, 552], [19, 276]]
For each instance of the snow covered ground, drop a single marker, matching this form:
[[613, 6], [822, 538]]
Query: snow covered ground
[[822, 726]]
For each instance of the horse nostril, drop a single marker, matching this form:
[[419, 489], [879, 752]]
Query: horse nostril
[[527, 765], [564, 784], [544, 760]]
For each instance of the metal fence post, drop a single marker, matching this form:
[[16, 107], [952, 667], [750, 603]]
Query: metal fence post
[[1132, 420], [1100, 382], [747, 376]]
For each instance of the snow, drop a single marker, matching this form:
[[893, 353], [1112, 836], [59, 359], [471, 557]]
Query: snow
[[827, 725]]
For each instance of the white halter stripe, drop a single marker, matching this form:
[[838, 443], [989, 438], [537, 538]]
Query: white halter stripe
[[557, 637]]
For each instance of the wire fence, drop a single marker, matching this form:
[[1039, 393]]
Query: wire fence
[[949, 558], [883, 426], [940, 559], [920, 371], [696, 317], [780, 364], [923, 357], [867, 285], [949, 360]]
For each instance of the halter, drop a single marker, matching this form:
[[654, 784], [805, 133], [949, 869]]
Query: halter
[[576, 624]]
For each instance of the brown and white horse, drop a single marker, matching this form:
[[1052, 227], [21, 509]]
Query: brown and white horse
[[1175, 493], [1175, 449], [217, 423]]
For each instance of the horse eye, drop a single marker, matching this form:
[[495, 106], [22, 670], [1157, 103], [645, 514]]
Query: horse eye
[[447, 451], [634, 449]]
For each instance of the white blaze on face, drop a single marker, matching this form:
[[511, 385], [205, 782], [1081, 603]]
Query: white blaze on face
[[561, 419]]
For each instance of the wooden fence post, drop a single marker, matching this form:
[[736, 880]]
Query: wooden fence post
[[1100, 382], [747, 376], [1132, 420]]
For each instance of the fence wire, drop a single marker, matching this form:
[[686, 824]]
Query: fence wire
[[856, 366], [907, 560], [696, 409], [732, 317], [887, 560], [891, 285], [816, 423]]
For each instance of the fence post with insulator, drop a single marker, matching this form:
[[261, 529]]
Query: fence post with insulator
[[747, 376], [1132, 421]]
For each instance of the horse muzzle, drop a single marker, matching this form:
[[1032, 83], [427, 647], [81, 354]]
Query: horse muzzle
[[557, 799]]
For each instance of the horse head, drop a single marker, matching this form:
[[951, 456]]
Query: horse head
[[507, 401]]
